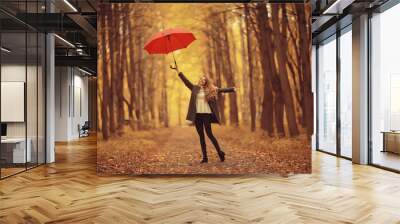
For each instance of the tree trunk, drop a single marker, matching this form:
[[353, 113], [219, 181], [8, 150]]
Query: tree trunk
[[305, 44], [268, 68], [165, 96], [209, 60], [230, 79], [218, 70], [250, 64], [149, 93], [121, 66], [112, 49], [131, 77], [279, 106], [104, 76], [245, 79], [278, 100], [140, 81], [282, 60]]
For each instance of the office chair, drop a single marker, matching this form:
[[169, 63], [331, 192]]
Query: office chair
[[84, 130]]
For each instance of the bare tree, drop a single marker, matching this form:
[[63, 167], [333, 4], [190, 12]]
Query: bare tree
[[229, 76], [250, 64], [305, 58], [282, 60], [104, 77]]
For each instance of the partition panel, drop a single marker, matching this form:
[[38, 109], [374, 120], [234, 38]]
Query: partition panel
[[22, 77], [15, 150]]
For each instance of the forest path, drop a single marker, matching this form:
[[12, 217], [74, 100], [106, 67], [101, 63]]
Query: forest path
[[177, 150]]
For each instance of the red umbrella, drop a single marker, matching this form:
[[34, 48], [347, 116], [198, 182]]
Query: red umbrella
[[168, 41]]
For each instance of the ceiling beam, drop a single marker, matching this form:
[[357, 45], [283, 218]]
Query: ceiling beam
[[337, 7], [84, 24], [81, 61]]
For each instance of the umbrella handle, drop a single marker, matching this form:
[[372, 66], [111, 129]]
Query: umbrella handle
[[172, 67], [169, 40], [176, 66]]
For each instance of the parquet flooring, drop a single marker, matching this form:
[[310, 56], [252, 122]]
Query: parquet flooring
[[69, 191]]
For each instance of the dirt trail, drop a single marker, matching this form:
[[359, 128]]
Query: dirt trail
[[177, 151]]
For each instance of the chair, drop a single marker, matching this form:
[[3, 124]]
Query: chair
[[84, 130]]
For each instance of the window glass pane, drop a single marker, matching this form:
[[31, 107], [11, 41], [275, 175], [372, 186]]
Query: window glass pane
[[22, 88], [385, 114], [14, 153], [327, 96], [346, 94]]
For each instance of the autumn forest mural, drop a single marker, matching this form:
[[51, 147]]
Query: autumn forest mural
[[204, 88]]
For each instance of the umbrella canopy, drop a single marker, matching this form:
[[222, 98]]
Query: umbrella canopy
[[168, 41]]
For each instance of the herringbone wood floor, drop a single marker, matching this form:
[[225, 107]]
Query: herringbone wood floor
[[69, 191]]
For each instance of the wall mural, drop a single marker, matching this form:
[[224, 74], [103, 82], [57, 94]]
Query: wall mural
[[204, 88]]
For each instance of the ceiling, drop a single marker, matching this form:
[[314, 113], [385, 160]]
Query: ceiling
[[74, 22], [332, 15]]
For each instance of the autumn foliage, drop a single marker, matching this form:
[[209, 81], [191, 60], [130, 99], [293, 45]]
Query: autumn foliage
[[262, 49]]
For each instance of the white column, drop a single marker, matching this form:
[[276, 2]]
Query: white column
[[62, 103], [314, 91], [360, 90], [50, 98]]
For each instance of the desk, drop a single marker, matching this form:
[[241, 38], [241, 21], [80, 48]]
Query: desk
[[391, 141], [15, 148]]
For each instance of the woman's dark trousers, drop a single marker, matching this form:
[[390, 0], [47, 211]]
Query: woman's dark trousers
[[203, 121]]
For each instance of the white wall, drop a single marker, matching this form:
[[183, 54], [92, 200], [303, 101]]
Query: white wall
[[16, 73], [33, 127], [12, 73], [62, 81], [71, 102]]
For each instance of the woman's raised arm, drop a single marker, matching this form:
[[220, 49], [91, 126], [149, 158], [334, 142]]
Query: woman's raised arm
[[186, 81]]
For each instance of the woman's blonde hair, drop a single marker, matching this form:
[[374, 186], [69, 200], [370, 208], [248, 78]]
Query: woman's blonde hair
[[209, 88]]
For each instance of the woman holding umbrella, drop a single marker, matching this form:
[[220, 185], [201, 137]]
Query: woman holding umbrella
[[203, 110]]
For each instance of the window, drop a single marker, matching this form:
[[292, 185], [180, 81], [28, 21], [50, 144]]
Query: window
[[346, 92], [385, 89], [334, 106], [327, 96]]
